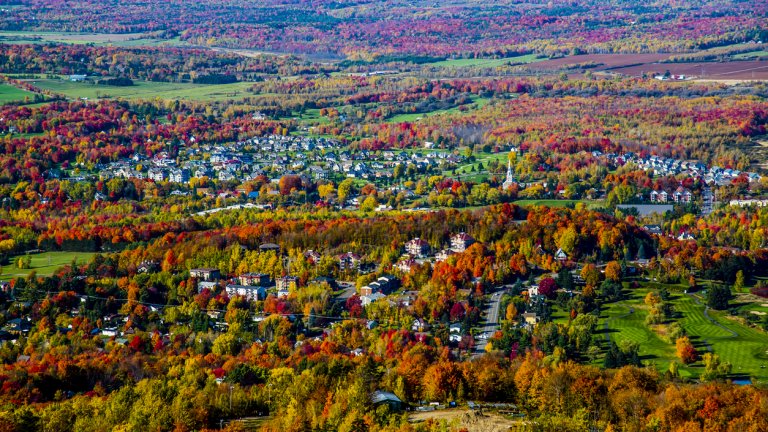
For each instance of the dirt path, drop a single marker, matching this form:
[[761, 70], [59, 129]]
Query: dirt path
[[472, 421]]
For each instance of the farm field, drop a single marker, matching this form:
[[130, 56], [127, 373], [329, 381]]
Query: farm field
[[744, 347], [118, 39], [45, 264], [487, 63], [9, 93], [741, 70], [147, 90], [604, 60]]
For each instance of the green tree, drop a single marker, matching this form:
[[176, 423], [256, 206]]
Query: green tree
[[718, 297]]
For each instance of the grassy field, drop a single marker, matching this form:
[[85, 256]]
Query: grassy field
[[486, 63], [147, 90], [744, 347], [751, 55], [126, 39], [9, 93], [558, 203], [477, 102], [45, 263]]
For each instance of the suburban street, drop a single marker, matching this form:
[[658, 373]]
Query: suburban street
[[491, 323], [347, 290]]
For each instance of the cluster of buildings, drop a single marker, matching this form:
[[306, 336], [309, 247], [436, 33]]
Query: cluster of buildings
[[681, 195], [273, 156], [418, 250], [662, 166]]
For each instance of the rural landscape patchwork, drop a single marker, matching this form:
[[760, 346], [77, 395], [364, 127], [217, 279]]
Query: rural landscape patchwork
[[384, 215]]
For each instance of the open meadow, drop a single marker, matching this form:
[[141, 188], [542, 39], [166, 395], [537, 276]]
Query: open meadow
[[146, 90], [45, 264]]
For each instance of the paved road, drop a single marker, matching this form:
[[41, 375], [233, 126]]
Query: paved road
[[347, 291], [709, 202], [491, 323]]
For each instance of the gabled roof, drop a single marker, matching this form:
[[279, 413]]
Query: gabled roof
[[380, 396]]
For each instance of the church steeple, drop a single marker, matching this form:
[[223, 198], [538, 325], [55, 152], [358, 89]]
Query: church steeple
[[510, 181]]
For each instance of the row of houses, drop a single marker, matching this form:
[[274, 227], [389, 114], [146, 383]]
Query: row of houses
[[681, 195], [662, 166]]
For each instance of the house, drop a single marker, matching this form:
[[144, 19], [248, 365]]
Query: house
[[417, 247], [443, 255], [461, 241], [660, 197], [349, 261], [533, 290], [454, 338], [179, 176], [283, 293], [686, 236], [371, 288], [156, 174], [206, 285], [312, 256], [682, 195], [530, 318], [77, 78], [254, 279], [389, 399], [287, 283], [368, 299], [147, 267], [207, 274], [419, 325], [18, 326], [652, 229], [406, 265], [266, 247], [560, 255], [455, 328], [388, 283], [249, 292]]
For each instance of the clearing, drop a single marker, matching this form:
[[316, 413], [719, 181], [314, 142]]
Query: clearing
[[147, 90], [9, 93], [45, 264], [121, 39], [486, 62], [474, 421]]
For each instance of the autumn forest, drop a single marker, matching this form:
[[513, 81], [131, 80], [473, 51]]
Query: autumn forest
[[384, 216]]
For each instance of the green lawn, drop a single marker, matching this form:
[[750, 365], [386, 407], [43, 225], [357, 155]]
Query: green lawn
[[45, 263], [9, 93], [487, 63], [558, 203], [745, 348], [147, 90]]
